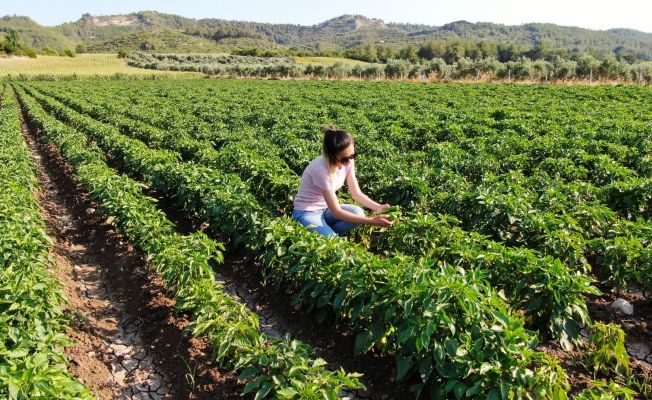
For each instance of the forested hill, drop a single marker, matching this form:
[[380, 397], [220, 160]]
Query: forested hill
[[149, 30]]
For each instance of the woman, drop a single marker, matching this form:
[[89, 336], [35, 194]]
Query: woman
[[316, 205]]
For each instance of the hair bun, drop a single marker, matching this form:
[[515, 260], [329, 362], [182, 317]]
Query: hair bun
[[330, 128]]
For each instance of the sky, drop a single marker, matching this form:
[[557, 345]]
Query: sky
[[595, 14]]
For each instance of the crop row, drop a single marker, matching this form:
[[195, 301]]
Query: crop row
[[545, 288], [557, 219], [409, 120], [273, 368], [443, 322], [536, 209], [32, 325], [447, 176]]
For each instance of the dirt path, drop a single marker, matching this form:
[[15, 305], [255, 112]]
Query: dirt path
[[129, 342], [106, 275], [331, 341]]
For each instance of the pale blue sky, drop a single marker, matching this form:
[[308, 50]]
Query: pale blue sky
[[593, 14]]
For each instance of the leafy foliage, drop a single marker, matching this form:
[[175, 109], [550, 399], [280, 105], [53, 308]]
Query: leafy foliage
[[509, 198], [442, 322], [32, 325], [281, 368], [608, 353]]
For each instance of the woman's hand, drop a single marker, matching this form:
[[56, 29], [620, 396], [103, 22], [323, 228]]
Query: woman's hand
[[382, 221], [383, 207]]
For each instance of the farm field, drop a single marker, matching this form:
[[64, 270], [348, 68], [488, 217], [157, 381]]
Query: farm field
[[83, 65], [91, 65], [525, 213]]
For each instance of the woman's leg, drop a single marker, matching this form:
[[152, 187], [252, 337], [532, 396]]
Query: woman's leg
[[342, 227], [315, 222]]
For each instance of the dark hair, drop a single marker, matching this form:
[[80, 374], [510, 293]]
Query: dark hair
[[335, 140]]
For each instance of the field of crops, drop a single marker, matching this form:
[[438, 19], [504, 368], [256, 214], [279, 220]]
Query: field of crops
[[82, 65], [525, 209]]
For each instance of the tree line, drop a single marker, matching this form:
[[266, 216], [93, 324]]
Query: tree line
[[582, 66], [455, 50]]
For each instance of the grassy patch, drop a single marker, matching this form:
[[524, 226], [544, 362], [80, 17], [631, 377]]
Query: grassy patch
[[83, 65]]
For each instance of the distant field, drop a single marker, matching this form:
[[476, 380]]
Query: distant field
[[83, 65], [327, 60]]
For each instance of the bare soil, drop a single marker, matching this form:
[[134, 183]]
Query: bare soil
[[129, 341], [638, 341], [637, 328], [331, 340]]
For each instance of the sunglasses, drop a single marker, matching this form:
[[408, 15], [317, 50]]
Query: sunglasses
[[345, 160]]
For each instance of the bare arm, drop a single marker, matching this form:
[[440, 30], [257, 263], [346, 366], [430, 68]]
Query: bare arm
[[358, 196], [338, 212]]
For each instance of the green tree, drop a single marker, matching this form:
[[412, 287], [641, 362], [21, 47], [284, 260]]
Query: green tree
[[437, 66], [624, 54], [587, 65], [366, 52], [397, 68], [541, 69], [81, 48], [488, 49], [540, 51], [564, 69], [385, 53], [427, 51], [506, 52], [489, 66], [408, 53], [11, 42], [454, 53]]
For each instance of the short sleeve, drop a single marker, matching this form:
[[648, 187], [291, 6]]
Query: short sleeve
[[321, 178]]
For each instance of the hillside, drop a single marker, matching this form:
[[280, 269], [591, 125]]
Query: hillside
[[35, 35], [150, 30]]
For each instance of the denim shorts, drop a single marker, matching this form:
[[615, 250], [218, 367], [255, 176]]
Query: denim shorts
[[323, 221]]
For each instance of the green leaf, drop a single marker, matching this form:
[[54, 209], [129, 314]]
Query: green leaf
[[286, 393], [425, 369], [403, 365], [264, 390], [253, 385], [485, 367], [451, 347], [338, 301], [17, 353], [459, 390], [14, 390], [248, 373], [405, 333], [475, 389], [362, 342]]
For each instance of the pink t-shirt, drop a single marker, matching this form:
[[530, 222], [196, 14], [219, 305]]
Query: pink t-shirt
[[316, 178]]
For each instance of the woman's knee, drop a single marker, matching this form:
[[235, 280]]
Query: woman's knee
[[314, 221], [352, 208]]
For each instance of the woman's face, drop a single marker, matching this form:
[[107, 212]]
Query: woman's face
[[345, 156]]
